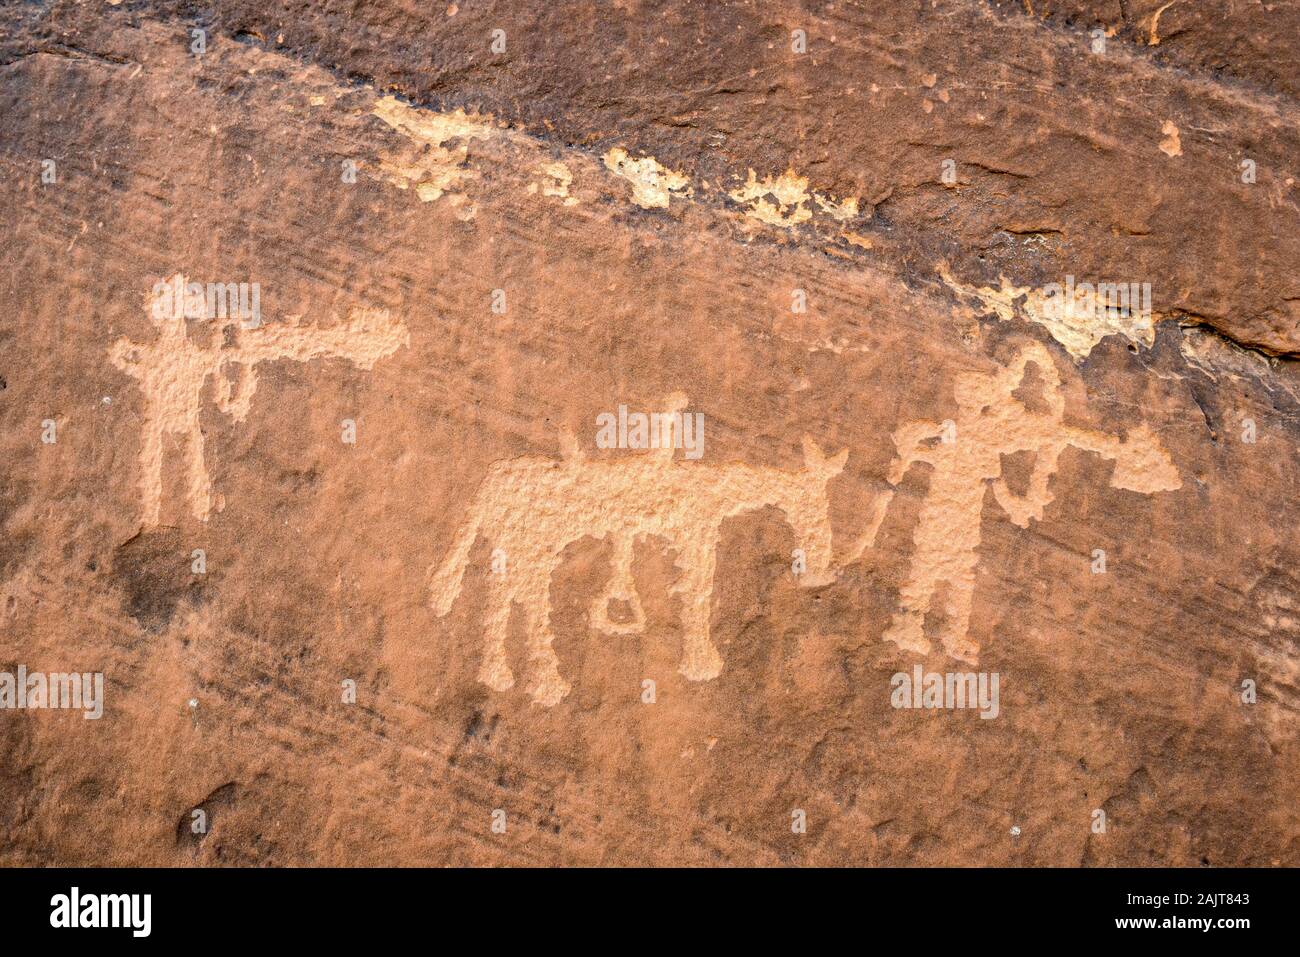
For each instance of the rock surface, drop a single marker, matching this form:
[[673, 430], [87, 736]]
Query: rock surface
[[367, 583]]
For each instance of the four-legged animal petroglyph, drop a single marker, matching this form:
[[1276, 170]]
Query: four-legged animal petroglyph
[[533, 508], [991, 423], [172, 371]]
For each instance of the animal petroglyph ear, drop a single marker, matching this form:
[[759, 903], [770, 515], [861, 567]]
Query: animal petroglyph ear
[[676, 402], [816, 461]]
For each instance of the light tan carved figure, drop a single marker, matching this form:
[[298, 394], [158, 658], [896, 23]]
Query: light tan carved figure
[[172, 371], [533, 508], [991, 422]]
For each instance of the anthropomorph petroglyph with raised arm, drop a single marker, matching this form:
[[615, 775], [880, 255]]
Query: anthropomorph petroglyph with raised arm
[[532, 508], [173, 368], [992, 422]]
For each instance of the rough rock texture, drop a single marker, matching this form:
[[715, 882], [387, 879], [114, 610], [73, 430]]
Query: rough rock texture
[[397, 480]]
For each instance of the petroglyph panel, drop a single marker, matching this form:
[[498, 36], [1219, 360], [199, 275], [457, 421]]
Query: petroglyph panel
[[530, 510], [879, 282]]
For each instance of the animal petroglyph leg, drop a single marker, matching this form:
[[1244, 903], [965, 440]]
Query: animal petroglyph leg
[[494, 670], [545, 685], [700, 659], [446, 582]]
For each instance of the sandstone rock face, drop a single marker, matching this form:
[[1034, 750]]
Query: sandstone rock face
[[508, 433]]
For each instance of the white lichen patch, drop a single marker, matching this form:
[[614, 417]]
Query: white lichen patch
[[786, 200], [840, 211], [556, 181], [434, 169], [430, 126], [1077, 325], [653, 184], [782, 201]]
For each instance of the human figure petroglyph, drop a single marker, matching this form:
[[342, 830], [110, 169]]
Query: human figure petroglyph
[[991, 423], [172, 371], [532, 508]]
